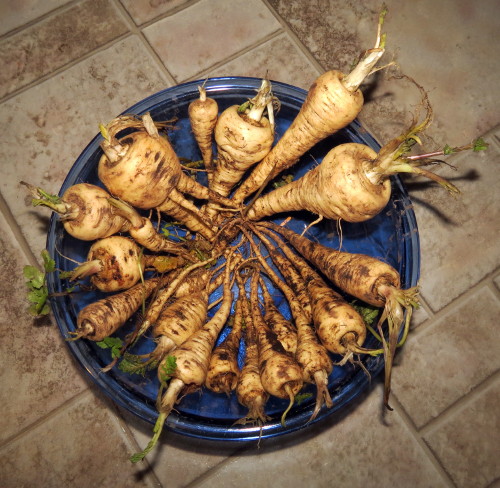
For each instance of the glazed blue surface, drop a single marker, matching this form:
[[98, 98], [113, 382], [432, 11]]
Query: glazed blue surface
[[391, 236]]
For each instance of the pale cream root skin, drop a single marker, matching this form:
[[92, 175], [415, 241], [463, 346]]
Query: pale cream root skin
[[203, 114], [329, 107], [102, 318], [91, 221], [182, 318], [359, 275], [241, 143], [180, 209], [145, 174], [121, 260], [336, 189]]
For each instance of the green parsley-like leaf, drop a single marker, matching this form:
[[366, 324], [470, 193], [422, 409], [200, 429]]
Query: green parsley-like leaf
[[35, 277], [301, 397], [113, 343], [65, 275], [37, 309], [36, 295], [448, 150], [49, 264], [45, 198], [285, 179], [368, 312], [36, 282], [480, 145], [167, 369], [165, 231], [104, 131], [243, 107], [133, 364], [30, 272], [37, 290]]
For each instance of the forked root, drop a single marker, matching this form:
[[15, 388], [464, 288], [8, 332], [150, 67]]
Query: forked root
[[255, 415], [322, 394], [397, 302]]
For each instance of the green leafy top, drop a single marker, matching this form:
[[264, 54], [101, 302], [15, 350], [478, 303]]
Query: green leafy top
[[284, 180], [113, 343], [134, 364], [478, 145], [301, 397], [166, 232], [167, 369], [38, 293], [45, 198], [368, 312]]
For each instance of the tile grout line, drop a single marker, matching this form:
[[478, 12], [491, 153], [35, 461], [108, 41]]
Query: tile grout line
[[138, 31], [207, 475], [289, 31], [114, 413], [7, 214], [45, 418], [132, 29], [419, 438], [494, 134], [493, 287], [450, 307], [486, 280], [419, 433], [204, 73], [16, 230], [433, 315], [429, 427], [40, 19], [164, 15], [451, 410], [427, 308], [63, 68], [130, 439]]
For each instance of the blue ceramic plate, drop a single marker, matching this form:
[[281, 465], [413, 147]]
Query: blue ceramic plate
[[391, 236]]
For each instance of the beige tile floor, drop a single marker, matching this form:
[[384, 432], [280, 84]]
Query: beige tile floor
[[66, 65]]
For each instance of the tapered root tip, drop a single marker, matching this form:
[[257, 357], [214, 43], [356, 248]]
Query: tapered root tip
[[387, 389]]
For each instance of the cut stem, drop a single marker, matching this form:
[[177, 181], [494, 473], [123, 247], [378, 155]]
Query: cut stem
[[369, 59], [158, 428], [260, 102]]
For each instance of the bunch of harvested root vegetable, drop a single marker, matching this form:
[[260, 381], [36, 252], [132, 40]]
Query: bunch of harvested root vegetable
[[228, 245]]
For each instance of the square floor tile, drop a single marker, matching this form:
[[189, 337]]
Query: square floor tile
[[467, 443], [46, 46], [49, 125], [449, 357], [190, 41]]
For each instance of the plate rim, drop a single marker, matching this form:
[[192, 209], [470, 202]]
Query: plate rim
[[182, 424]]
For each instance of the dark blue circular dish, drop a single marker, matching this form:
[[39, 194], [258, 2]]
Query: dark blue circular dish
[[391, 236]]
